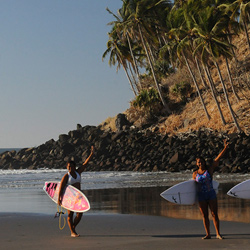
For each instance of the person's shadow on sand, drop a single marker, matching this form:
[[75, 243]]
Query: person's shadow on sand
[[225, 236]]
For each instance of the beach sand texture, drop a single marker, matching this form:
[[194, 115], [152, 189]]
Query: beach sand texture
[[116, 231]]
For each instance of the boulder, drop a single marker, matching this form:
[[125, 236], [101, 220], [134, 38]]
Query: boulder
[[121, 121]]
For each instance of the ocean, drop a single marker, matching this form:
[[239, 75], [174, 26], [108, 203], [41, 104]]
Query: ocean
[[8, 149], [21, 191], [34, 179]]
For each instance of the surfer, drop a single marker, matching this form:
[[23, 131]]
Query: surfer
[[73, 177], [206, 193]]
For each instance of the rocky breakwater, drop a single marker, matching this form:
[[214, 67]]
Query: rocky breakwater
[[132, 149]]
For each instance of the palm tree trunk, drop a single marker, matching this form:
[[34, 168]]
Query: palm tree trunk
[[232, 49], [129, 79], [134, 61], [246, 32], [133, 77], [212, 81], [130, 82], [152, 69], [231, 80], [158, 36], [150, 51], [196, 85], [214, 95], [226, 96], [199, 70], [169, 52]]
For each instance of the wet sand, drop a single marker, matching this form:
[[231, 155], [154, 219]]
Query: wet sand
[[116, 231]]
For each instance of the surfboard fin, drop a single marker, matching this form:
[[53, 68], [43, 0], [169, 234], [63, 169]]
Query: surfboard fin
[[233, 194], [174, 199]]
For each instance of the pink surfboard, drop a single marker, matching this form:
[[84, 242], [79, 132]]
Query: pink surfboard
[[73, 199]]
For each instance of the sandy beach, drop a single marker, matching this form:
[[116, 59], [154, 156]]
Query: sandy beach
[[116, 231], [120, 218]]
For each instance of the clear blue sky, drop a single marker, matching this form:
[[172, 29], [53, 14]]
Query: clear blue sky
[[51, 71]]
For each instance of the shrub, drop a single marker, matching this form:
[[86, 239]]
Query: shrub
[[181, 90], [148, 99]]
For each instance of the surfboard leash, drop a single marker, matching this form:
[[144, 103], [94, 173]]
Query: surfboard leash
[[59, 214]]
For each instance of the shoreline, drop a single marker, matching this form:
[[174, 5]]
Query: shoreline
[[133, 200], [116, 231]]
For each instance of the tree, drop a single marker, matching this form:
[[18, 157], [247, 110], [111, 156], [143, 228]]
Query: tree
[[123, 34], [211, 41], [114, 48], [180, 34], [239, 9], [139, 22]]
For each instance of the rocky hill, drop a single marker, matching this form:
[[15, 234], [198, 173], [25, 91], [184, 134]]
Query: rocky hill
[[168, 143], [131, 149]]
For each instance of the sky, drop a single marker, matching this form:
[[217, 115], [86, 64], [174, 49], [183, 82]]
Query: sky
[[52, 76]]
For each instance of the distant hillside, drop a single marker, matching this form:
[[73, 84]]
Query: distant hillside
[[191, 116]]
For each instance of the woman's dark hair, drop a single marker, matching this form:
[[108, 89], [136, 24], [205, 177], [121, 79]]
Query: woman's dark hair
[[202, 159], [72, 163]]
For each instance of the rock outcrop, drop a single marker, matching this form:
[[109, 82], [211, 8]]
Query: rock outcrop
[[131, 149]]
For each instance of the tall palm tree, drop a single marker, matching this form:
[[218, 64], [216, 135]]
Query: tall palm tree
[[119, 19], [139, 22], [115, 50], [180, 34], [211, 40], [227, 25], [233, 27], [239, 10], [211, 85]]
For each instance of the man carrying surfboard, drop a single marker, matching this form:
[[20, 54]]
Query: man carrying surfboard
[[206, 193], [73, 177]]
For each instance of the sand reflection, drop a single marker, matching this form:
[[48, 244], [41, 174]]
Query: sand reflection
[[147, 201]]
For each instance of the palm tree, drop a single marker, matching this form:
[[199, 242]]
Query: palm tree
[[120, 18], [239, 9], [227, 25], [211, 85], [139, 22], [180, 34], [211, 40], [233, 27], [114, 48]]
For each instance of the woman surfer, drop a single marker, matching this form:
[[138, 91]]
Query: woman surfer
[[73, 177], [206, 193]]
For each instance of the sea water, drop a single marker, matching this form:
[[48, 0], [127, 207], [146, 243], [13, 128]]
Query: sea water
[[2, 150], [116, 192], [34, 179], [21, 191]]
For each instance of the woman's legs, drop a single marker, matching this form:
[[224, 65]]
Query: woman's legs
[[77, 219], [71, 224], [203, 205], [213, 205]]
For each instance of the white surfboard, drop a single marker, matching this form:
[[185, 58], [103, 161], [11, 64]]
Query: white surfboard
[[184, 193], [241, 190]]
